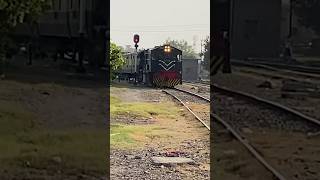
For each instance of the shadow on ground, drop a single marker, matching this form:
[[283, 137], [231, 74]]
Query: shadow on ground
[[62, 72]]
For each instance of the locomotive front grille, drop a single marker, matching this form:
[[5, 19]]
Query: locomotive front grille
[[164, 79]]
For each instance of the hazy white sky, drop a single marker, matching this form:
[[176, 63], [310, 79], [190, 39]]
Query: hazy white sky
[[157, 20]]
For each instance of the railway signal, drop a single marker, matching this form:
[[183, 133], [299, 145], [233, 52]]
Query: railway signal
[[136, 40]]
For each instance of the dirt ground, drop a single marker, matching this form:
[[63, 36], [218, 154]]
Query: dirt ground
[[289, 153], [177, 132], [294, 154], [231, 160], [53, 124], [57, 106]]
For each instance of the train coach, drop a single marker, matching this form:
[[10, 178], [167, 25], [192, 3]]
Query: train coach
[[157, 67], [69, 27]]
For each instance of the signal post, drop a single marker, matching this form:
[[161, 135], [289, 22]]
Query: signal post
[[219, 55], [220, 47], [136, 40]]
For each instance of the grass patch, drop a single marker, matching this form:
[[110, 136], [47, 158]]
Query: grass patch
[[114, 101], [137, 136], [144, 109], [118, 86], [14, 118], [24, 142], [134, 136], [78, 149], [128, 136]]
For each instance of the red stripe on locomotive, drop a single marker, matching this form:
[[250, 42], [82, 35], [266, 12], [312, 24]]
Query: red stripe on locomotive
[[167, 74], [166, 78]]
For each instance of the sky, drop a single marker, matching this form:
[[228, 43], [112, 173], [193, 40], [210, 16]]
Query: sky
[[157, 20]]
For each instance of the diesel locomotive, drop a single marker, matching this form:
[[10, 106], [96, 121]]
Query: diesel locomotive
[[157, 67]]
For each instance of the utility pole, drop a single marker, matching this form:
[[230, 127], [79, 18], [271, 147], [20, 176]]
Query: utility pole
[[288, 43], [201, 52], [82, 16], [81, 34], [290, 18]]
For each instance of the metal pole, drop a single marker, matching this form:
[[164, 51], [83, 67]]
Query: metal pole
[[290, 18], [82, 16], [135, 60], [81, 34], [30, 49], [135, 65], [201, 52], [227, 64]]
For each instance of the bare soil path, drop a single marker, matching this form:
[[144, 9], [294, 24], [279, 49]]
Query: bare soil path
[[145, 123]]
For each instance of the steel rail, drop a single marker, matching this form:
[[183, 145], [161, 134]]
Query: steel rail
[[249, 147], [271, 68], [199, 119], [240, 138], [193, 94], [264, 101], [296, 68], [267, 102]]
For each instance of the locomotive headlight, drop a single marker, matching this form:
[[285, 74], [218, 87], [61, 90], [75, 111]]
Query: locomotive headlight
[[167, 49]]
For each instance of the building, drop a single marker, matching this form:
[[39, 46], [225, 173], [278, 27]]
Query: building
[[255, 28], [190, 69], [300, 34]]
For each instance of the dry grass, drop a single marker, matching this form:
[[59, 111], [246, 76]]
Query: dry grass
[[24, 142], [142, 109]]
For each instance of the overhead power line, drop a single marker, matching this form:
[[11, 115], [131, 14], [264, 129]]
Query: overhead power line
[[181, 25], [157, 31]]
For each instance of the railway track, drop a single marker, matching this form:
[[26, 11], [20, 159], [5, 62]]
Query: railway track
[[277, 124], [184, 97], [283, 66], [260, 100], [189, 100], [281, 71]]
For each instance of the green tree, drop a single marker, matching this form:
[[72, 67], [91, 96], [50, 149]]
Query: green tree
[[308, 13], [13, 12], [116, 58], [187, 50]]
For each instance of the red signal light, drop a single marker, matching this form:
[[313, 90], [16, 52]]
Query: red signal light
[[136, 38]]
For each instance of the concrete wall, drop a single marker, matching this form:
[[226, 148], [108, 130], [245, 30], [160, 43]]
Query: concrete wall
[[256, 28], [190, 69]]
